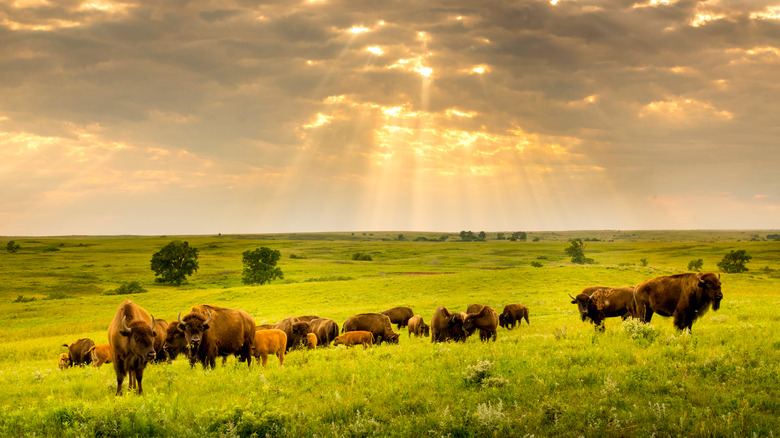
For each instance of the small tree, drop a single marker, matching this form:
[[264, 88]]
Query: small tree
[[695, 265], [12, 246], [174, 262], [576, 250], [482, 236], [519, 235], [260, 265], [734, 262]]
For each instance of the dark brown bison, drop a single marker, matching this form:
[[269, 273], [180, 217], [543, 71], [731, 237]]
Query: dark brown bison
[[296, 331], [270, 341], [326, 330], [598, 303], [213, 331], [418, 327], [161, 331], [78, 351], [485, 320], [354, 338], [446, 326], [307, 318], [64, 361], [399, 315], [683, 296], [474, 308], [100, 353], [513, 314], [131, 336], [175, 343], [376, 323]]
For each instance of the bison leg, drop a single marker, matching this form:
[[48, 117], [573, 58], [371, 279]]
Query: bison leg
[[139, 376], [264, 358], [280, 355], [120, 377]]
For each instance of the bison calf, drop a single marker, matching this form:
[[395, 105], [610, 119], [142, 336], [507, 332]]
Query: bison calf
[[101, 353], [311, 340], [271, 341], [418, 327], [64, 361], [354, 338]]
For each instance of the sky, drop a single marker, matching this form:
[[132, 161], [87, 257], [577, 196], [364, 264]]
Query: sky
[[202, 117]]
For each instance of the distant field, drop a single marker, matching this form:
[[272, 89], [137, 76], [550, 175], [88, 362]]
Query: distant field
[[554, 377]]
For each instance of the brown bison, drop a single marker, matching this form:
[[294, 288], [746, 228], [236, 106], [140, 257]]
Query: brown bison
[[376, 323], [307, 318], [418, 327], [64, 361], [311, 341], [264, 326], [354, 338], [485, 320], [446, 326], [474, 308], [399, 315], [513, 314], [270, 341], [598, 303], [175, 343], [326, 330], [683, 296], [100, 353], [78, 351], [296, 331], [161, 332], [213, 331], [131, 336]]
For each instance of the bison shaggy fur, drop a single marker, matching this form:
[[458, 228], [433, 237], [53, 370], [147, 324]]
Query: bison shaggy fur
[[131, 336], [213, 331], [399, 315], [325, 329], [418, 327], [685, 297], [513, 314], [446, 326], [485, 320], [376, 323]]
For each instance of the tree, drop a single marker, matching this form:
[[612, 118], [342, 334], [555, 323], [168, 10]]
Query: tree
[[482, 236], [174, 262], [695, 265], [260, 265], [734, 262], [576, 250], [12, 246], [519, 235]]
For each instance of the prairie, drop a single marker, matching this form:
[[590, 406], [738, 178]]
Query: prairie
[[554, 377]]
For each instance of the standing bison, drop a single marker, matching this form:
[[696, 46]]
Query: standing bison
[[325, 329], [376, 323], [175, 343], [447, 326], [399, 316], [296, 331], [418, 327], [78, 351], [513, 314], [213, 331], [683, 296], [269, 341], [485, 320], [100, 353], [599, 303], [161, 331], [131, 337]]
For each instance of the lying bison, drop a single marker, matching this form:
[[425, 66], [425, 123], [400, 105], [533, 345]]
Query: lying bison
[[376, 323], [213, 331], [131, 336], [399, 316], [485, 320], [683, 296], [446, 326], [78, 351], [598, 303], [325, 329], [513, 314], [418, 327]]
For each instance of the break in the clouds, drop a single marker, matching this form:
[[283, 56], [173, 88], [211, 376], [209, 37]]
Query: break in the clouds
[[150, 117]]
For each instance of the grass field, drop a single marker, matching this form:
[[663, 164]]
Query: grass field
[[554, 377]]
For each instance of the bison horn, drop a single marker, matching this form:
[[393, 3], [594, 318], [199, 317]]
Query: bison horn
[[180, 321], [572, 297], [208, 320], [125, 328], [153, 322]]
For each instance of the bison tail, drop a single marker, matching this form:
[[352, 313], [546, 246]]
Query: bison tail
[[66, 345]]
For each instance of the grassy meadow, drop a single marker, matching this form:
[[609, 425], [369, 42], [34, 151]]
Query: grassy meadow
[[554, 377]]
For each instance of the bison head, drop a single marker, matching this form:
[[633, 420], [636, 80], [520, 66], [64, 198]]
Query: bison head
[[301, 328], [710, 284], [64, 361], [455, 326], [425, 329], [193, 325], [140, 336], [583, 302], [503, 321], [392, 338], [174, 341]]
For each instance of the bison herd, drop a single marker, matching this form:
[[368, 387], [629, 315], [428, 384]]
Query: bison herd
[[206, 332]]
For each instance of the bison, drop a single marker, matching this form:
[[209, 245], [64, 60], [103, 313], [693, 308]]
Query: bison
[[513, 314], [131, 336], [264, 326], [399, 315], [376, 323], [326, 330], [354, 338], [311, 341], [175, 343], [474, 308], [485, 320], [100, 353], [307, 318], [447, 326], [161, 330], [64, 361], [78, 351], [270, 341], [296, 331], [598, 303], [683, 296], [213, 331], [418, 327]]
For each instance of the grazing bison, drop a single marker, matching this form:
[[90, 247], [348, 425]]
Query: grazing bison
[[175, 343], [64, 361], [683, 296], [161, 332], [399, 315], [131, 336], [418, 327], [485, 320], [213, 331], [267, 342], [307, 318], [354, 338], [474, 308], [311, 341], [376, 323], [296, 331], [78, 351], [513, 314], [447, 326], [100, 353], [326, 330], [620, 303]]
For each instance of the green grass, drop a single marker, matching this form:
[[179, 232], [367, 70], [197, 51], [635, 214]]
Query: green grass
[[554, 377]]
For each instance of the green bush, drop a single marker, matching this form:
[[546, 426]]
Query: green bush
[[695, 265], [636, 329], [734, 262], [536, 264], [22, 299], [260, 265], [126, 288], [363, 257]]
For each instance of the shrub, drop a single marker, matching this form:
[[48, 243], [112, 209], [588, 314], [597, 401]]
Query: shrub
[[22, 299], [536, 264], [734, 262], [576, 250], [12, 246], [296, 256], [643, 261], [695, 265], [477, 373], [636, 329], [127, 287], [260, 265], [363, 257]]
